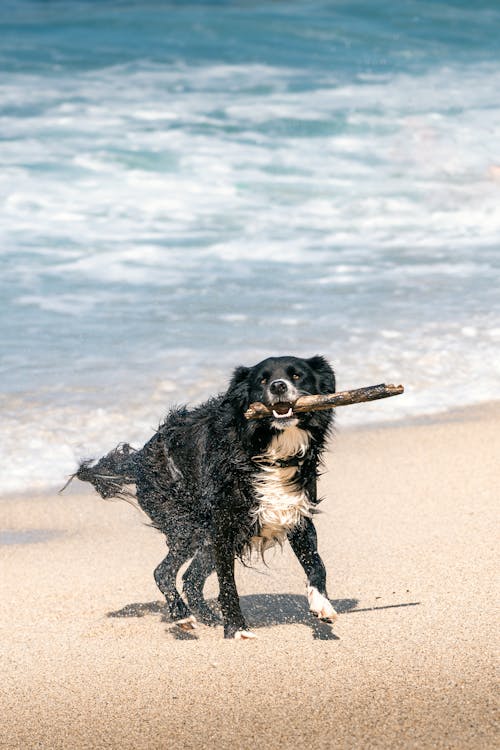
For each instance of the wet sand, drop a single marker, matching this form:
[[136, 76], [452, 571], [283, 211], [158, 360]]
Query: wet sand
[[89, 659]]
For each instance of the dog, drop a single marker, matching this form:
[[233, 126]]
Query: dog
[[219, 486]]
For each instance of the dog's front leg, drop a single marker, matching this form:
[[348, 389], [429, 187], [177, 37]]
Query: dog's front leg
[[234, 622], [304, 543]]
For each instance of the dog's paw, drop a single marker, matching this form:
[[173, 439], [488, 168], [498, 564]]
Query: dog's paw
[[320, 606], [244, 635], [187, 623]]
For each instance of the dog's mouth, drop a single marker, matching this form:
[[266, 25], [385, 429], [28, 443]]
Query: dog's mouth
[[282, 410]]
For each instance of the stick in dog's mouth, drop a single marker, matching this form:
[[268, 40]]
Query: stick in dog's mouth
[[282, 410]]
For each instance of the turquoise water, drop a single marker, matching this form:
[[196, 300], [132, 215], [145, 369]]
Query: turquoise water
[[189, 186]]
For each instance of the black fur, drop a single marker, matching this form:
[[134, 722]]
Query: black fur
[[195, 480]]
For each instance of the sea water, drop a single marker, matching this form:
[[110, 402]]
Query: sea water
[[188, 186]]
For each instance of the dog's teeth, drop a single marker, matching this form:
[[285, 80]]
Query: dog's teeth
[[283, 416]]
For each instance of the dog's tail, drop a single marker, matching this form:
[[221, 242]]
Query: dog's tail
[[111, 475]]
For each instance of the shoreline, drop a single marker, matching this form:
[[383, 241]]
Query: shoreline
[[469, 412], [91, 660]]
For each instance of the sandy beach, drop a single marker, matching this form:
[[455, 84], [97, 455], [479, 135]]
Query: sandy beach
[[89, 659]]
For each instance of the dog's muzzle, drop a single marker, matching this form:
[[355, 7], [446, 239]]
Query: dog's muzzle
[[283, 395]]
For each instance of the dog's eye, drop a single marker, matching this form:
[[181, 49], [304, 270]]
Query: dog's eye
[[264, 381], [295, 377]]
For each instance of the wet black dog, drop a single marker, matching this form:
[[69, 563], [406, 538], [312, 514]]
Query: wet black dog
[[218, 485]]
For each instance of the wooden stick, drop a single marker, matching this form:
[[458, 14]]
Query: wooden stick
[[330, 400]]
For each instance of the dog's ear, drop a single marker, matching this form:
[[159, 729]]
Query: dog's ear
[[239, 390], [239, 375], [324, 373]]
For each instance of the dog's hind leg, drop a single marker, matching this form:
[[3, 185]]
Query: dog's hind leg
[[234, 622], [304, 543], [202, 565], [165, 577]]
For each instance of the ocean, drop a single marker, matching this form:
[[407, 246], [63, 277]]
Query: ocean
[[189, 186]]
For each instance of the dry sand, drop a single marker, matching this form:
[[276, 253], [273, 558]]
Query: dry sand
[[407, 534]]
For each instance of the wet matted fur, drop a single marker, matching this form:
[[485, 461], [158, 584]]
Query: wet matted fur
[[218, 485]]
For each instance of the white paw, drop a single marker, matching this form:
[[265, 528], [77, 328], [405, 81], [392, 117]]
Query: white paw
[[320, 606], [188, 623], [244, 635]]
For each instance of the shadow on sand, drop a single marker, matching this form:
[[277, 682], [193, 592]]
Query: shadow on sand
[[262, 610]]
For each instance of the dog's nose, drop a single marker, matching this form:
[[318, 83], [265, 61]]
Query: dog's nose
[[278, 387]]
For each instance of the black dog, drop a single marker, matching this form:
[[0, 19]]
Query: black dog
[[218, 485]]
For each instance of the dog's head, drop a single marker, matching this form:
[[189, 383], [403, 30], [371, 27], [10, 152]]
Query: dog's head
[[277, 382]]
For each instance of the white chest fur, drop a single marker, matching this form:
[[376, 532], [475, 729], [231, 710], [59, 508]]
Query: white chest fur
[[282, 502]]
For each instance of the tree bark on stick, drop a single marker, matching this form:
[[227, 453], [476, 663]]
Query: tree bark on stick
[[320, 402]]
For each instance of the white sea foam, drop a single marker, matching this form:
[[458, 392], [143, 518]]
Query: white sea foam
[[411, 168]]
